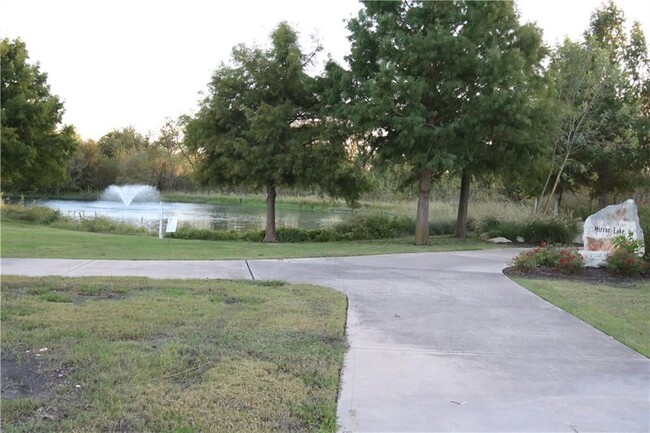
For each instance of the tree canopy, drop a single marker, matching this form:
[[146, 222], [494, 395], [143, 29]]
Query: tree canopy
[[261, 126], [35, 147], [444, 86], [601, 139], [619, 151], [125, 156]]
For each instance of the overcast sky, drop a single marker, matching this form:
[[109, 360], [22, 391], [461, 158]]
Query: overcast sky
[[135, 62]]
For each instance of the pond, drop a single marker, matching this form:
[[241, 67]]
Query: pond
[[218, 217]]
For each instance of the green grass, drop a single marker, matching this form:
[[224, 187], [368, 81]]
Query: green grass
[[171, 356], [621, 312], [34, 241]]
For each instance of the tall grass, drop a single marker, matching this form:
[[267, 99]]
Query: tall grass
[[42, 215]]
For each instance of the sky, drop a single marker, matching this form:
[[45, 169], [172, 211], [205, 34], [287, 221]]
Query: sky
[[119, 63]]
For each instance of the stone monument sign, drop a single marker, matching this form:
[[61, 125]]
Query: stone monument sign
[[606, 224]]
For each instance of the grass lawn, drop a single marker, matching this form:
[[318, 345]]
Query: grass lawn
[[34, 241], [621, 312], [169, 356]]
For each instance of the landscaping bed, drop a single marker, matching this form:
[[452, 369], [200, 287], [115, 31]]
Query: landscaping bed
[[593, 275]]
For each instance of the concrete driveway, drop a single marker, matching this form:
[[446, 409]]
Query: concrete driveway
[[442, 342]]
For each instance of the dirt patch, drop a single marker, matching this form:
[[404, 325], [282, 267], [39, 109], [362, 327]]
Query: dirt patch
[[158, 340], [22, 379], [591, 275], [31, 375], [80, 298]]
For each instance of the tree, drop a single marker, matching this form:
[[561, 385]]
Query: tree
[[171, 138], [505, 106], [619, 153], [35, 149], [176, 162], [122, 141], [580, 74], [83, 167], [260, 127], [443, 86]]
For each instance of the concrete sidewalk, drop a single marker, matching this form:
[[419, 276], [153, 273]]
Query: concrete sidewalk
[[442, 342]]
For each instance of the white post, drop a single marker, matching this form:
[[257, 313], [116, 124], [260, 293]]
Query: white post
[[160, 233]]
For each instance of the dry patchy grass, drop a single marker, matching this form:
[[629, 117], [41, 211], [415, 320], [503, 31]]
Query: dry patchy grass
[[183, 356]]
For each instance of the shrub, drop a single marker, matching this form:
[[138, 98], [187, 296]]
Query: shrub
[[570, 262], [565, 260], [103, 225], [625, 263], [442, 227], [255, 236], [31, 214], [291, 234], [193, 233], [554, 231], [525, 261], [548, 256], [325, 235], [365, 227], [627, 243]]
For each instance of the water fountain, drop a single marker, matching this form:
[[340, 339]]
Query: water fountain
[[130, 193]]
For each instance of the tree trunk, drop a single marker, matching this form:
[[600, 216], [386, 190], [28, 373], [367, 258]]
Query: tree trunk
[[461, 220], [422, 219], [558, 201], [556, 184], [602, 199], [269, 235]]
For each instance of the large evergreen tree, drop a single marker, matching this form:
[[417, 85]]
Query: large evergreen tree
[[35, 148], [444, 86], [260, 126]]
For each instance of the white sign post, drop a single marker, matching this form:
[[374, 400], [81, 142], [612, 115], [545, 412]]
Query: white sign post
[[160, 222]]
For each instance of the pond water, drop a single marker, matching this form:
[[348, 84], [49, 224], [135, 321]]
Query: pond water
[[218, 217]]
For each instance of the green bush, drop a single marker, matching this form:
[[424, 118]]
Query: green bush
[[553, 231], [525, 261], [193, 233], [366, 227], [107, 225], [31, 214], [625, 263], [547, 256], [325, 235], [628, 243], [442, 227], [255, 236], [291, 234]]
